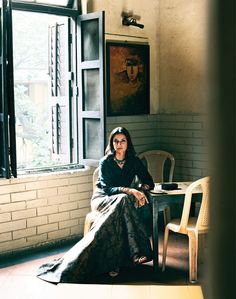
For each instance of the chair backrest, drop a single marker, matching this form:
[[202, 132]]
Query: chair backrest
[[202, 218], [95, 177], [155, 160]]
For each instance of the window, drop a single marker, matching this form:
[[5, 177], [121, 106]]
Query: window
[[52, 100], [53, 2]]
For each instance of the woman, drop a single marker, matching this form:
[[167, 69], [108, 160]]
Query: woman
[[117, 238]]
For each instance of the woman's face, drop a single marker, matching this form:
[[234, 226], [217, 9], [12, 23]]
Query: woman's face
[[120, 143], [132, 72]]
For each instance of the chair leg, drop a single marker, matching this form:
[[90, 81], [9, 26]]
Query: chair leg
[[193, 254], [166, 215], [89, 220], [87, 225], [165, 243]]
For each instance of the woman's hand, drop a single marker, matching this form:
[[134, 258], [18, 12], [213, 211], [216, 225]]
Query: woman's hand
[[141, 198]]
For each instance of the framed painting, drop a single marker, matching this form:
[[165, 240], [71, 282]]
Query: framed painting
[[128, 83]]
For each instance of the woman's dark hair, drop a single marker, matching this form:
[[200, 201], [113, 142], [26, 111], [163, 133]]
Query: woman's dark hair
[[120, 130]]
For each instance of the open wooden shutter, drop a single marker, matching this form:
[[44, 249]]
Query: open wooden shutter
[[59, 71], [7, 111], [91, 87]]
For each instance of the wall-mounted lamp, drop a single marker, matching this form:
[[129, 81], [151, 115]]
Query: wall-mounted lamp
[[131, 21]]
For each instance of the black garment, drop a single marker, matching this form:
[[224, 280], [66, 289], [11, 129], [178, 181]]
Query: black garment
[[111, 176], [116, 235]]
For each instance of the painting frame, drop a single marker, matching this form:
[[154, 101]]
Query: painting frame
[[128, 78]]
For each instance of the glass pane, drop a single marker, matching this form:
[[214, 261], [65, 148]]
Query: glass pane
[[32, 88], [92, 140], [90, 38], [91, 90], [53, 2]]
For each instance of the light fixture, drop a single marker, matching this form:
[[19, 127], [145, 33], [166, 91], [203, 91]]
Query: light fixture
[[129, 20]]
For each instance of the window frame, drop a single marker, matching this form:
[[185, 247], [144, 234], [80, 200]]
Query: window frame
[[87, 65]]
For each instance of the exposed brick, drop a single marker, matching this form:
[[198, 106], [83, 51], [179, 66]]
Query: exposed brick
[[38, 239], [46, 192], [47, 210], [67, 189], [79, 180], [12, 245], [58, 199], [79, 196], [193, 141], [81, 220], [184, 148], [36, 185], [193, 126], [6, 237], [68, 223], [57, 183], [35, 221], [79, 213], [23, 196], [24, 214], [59, 234], [67, 206], [184, 133], [199, 134], [200, 164], [58, 217], [35, 203], [4, 217], [183, 117], [171, 140], [24, 233], [12, 207], [200, 149], [83, 187], [12, 225], [171, 125], [11, 188], [77, 230], [47, 228], [5, 198], [84, 203]]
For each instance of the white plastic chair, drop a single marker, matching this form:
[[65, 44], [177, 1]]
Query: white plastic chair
[[190, 226], [155, 161], [91, 216]]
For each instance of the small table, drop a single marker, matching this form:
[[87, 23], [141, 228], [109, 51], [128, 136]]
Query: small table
[[161, 198]]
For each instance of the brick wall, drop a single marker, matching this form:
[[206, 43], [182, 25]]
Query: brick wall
[[41, 209], [183, 135], [144, 130], [186, 137]]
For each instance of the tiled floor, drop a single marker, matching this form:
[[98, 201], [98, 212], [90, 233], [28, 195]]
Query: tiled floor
[[18, 280]]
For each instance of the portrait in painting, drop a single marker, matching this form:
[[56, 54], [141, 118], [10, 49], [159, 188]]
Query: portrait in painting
[[127, 79]]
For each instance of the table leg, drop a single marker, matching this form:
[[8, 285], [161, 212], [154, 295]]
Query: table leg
[[155, 233]]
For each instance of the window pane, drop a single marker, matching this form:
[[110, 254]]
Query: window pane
[[91, 90], [32, 88], [92, 140], [90, 37], [53, 2]]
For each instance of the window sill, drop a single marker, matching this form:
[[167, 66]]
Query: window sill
[[51, 169]]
